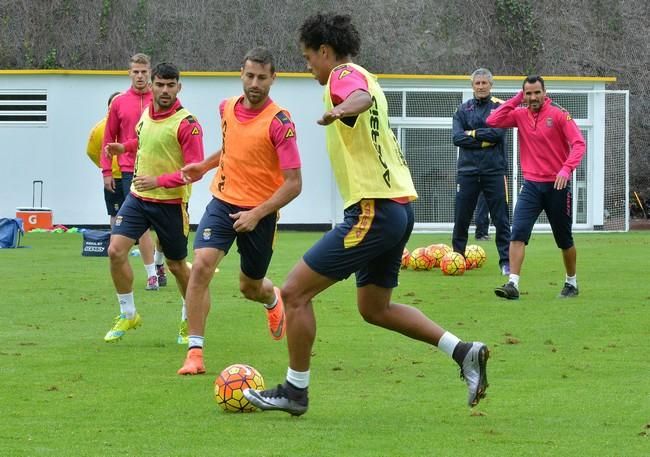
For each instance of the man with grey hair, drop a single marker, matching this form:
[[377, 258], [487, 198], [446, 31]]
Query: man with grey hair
[[482, 167]]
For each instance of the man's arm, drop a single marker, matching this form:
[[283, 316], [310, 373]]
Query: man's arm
[[503, 117], [490, 135], [111, 131], [192, 172], [577, 150], [246, 221], [356, 103], [461, 136], [190, 138]]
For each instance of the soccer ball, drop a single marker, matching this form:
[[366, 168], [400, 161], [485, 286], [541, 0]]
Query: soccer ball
[[475, 256], [437, 252], [406, 257], [420, 260], [453, 264], [230, 385]]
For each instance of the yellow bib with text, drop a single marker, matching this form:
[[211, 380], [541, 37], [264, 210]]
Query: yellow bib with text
[[366, 158]]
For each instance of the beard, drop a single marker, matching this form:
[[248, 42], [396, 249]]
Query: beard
[[255, 96]]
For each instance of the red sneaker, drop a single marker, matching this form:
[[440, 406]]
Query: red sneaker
[[275, 316], [193, 362]]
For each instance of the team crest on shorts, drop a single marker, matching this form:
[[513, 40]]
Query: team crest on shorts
[[118, 220], [207, 234], [549, 122]]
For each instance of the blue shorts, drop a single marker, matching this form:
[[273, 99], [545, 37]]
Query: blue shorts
[[369, 242], [127, 179], [557, 204], [255, 248], [169, 220], [114, 199]]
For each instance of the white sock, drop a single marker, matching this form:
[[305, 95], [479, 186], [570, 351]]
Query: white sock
[[572, 280], [300, 379], [513, 278], [127, 304], [272, 305], [184, 311], [447, 343], [158, 257], [195, 341], [150, 269]]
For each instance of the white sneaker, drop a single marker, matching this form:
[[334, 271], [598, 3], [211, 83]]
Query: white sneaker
[[474, 372]]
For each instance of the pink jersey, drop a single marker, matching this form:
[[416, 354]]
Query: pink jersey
[[282, 132], [123, 115], [343, 81], [550, 142]]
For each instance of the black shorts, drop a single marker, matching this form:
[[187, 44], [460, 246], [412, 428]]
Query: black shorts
[[170, 220], [255, 248], [369, 242], [115, 199], [557, 204]]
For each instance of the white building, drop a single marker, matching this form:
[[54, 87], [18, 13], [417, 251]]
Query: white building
[[46, 116]]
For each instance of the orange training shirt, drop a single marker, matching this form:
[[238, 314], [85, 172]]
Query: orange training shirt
[[249, 171]]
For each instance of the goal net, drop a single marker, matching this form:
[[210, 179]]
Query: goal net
[[422, 121]]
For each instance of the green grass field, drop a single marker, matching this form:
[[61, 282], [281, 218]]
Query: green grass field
[[567, 377]]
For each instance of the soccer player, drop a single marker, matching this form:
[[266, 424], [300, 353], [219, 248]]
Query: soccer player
[[376, 186], [481, 168], [123, 115], [168, 137], [258, 173], [551, 147], [113, 199]]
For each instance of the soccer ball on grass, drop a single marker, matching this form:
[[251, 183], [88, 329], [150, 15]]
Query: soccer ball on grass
[[406, 258], [453, 264], [230, 385], [475, 256], [437, 252], [420, 260]]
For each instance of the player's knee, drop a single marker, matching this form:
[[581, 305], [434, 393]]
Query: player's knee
[[249, 290], [292, 297], [202, 268], [176, 267], [371, 316], [117, 252]]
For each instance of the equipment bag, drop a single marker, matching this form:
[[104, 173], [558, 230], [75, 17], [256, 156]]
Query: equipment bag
[[95, 243], [11, 231]]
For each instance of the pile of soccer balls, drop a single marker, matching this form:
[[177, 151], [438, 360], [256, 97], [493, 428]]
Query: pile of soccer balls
[[442, 256]]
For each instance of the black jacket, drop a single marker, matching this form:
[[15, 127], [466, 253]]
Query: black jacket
[[483, 152]]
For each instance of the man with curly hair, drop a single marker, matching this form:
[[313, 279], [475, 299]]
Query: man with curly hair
[[377, 190]]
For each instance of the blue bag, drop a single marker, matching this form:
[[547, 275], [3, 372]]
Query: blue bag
[[11, 230], [95, 243]]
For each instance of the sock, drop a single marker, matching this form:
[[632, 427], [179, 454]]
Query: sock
[[572, 280], [195, 341], [298, 379], [150, 269], [272, 305], [127, 304], [448, 341], [460, 351], [513, 278], [184, 311], [158, 257]]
